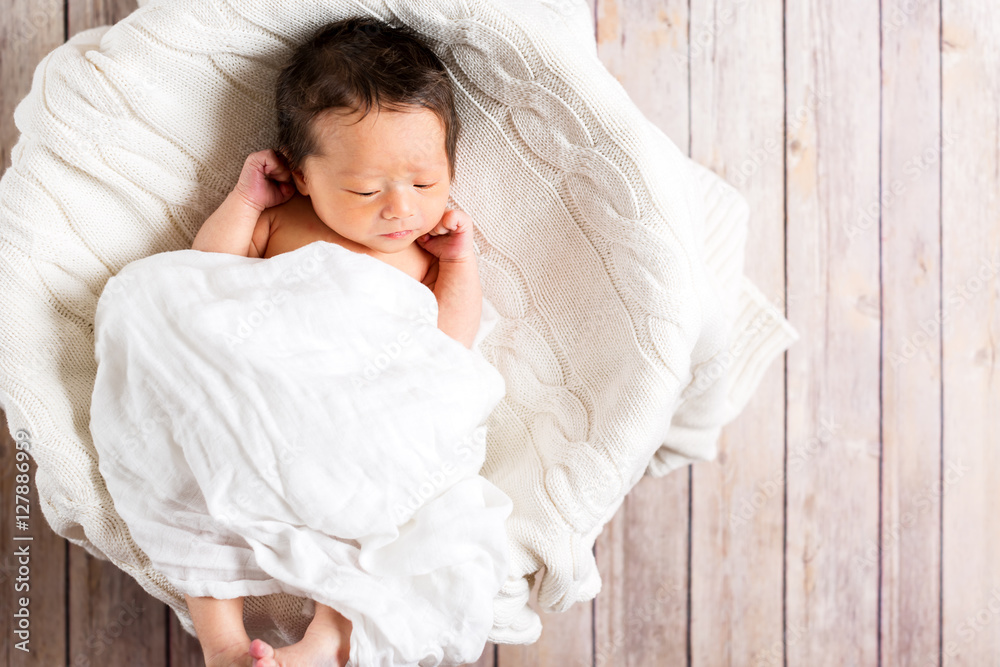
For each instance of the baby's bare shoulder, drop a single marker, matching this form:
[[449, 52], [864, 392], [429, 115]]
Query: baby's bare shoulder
[[295, 224]]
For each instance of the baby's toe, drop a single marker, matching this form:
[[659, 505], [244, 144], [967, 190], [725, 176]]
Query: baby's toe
[[260, 650]]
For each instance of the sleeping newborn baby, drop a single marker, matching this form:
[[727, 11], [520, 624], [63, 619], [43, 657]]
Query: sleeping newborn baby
[[373, 176], [374, 179], [367, 138]]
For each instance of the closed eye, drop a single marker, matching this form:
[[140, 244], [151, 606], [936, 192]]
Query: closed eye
[[369, 194]]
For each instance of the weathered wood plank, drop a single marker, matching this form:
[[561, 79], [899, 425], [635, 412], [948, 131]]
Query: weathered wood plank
[[641, 612], [34, 569], [832, 62], [640, 615], [85, 14], [566, 640], [911, 296], [736, 130], [970, 234], [113, 621], [28, 32]]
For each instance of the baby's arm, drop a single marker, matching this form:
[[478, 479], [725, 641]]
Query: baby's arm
[[235, 228], [457, 289], [242, 223], [460, 299]]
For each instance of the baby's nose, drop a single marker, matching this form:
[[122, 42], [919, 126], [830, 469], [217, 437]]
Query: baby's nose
[[400, 204]]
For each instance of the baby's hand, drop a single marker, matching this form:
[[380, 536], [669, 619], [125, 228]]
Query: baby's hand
[[451, 239], [265, 180]]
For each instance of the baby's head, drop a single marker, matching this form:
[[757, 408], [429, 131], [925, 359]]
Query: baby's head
[[367, 123]]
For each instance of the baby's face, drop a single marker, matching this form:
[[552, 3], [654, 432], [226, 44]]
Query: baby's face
[[386, 173]]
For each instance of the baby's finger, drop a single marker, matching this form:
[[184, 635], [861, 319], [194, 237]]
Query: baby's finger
[[275, 166], [457, 220]]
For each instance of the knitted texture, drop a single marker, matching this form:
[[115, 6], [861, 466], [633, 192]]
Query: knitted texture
[[627, 337]]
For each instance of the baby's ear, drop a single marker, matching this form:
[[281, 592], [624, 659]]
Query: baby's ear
[[297, 175], [300, 183]]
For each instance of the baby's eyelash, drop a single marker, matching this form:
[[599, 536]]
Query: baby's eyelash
[[369, 194]]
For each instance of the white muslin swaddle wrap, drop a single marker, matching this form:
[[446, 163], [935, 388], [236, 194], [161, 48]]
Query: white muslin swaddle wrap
[[299, 424]]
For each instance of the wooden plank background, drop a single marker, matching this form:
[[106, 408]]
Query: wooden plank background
[[852, 515]]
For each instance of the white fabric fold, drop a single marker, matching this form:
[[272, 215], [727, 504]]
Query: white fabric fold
[[300, 425]]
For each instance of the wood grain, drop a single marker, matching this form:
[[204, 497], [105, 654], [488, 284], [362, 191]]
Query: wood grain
[[86, 14], [910, 200], [28, 31], [737, 104], [970, 257], [833, 377]]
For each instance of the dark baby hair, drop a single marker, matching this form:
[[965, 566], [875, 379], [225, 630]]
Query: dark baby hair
[[357, 64]]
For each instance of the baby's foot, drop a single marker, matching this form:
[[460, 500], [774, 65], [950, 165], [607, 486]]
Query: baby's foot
[[236, 654], [313, 650], [326, 643]]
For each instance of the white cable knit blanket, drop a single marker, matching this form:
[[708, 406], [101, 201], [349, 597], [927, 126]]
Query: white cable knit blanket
[[627, 333], [300, 425]]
